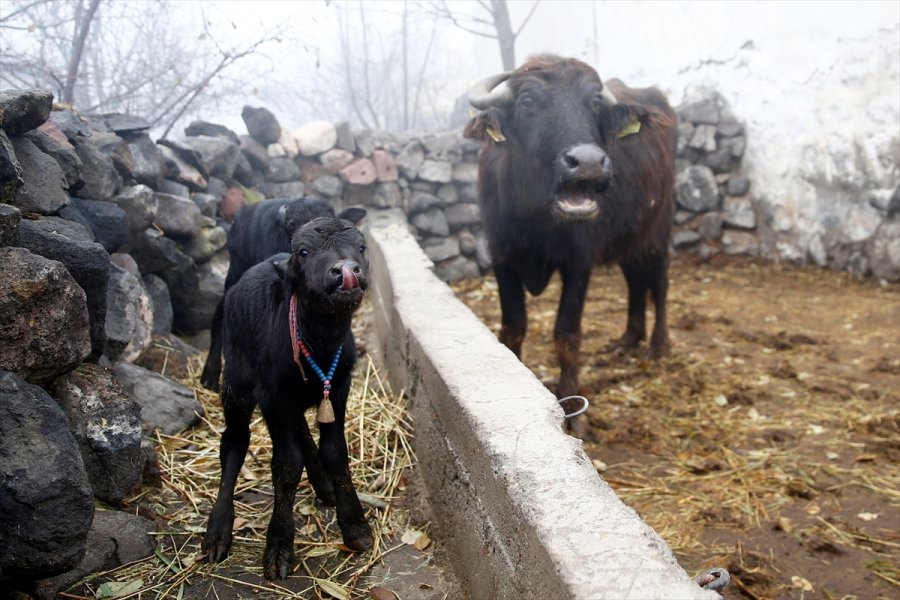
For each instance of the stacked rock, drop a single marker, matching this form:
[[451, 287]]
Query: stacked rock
[[714, 211]]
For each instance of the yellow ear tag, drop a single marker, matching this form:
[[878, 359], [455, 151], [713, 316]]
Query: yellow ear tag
[[496, 135], [472, 113], [629, 129]]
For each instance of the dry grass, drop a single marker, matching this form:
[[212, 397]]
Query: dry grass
[[378, 435]]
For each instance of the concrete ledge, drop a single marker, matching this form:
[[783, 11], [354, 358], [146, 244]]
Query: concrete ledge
[[522, 510]]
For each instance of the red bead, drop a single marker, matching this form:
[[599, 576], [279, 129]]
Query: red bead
[[326, 382]]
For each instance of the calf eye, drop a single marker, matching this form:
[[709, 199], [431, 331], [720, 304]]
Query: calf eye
[[362, 249], [303, 252], [526, 101], [598, 102]]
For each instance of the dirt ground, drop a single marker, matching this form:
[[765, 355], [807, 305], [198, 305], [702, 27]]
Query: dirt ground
[[769, 442]]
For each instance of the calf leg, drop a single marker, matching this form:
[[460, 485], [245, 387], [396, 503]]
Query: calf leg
[[209, 378], [514, 318], [333, 451], [232, 451], [314, 470], [283, 420]]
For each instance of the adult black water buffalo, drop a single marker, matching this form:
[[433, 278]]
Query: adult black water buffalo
[[575, 173]]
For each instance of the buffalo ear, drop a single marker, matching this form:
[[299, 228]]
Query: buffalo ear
[[485, 126], [624, 120], [354, 214], [282, 213]]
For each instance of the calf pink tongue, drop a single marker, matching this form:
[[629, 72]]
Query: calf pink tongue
[[349, 279]]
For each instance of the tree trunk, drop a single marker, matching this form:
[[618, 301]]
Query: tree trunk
[[82, 27], [505, 36]]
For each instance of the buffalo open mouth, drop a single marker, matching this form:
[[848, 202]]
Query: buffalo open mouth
[[579, 201]]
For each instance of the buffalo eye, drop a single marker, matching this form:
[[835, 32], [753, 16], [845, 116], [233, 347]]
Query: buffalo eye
[[526, 101], [598, 102], [362, 249], [303, 253]]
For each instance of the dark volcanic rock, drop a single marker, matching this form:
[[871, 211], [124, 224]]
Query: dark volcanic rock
[[129, 314], [211, 130], [87, 262], [71, 124], [10, 170], [44, 191], [116, 538], [46, 504], [261, 125], [51, 140], [162, 303], [165, 404], [124, 123], [147, 162], [9, 225], [101, 179], [195, 291], [140, 205], [178, 216], [107, 426], [107, 220], [44, 328], [153, 251], [24, 110]]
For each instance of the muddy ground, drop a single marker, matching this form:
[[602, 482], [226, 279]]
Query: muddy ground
[[769, 441]]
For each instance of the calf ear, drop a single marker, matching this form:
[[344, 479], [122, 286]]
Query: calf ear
[[624, 120], [484, 126], [354, 214]]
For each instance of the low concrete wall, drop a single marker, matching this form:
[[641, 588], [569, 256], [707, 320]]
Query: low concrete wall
[[519, 505]]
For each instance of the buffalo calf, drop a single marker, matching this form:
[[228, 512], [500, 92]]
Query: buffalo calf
[[259, 231], [288, 347]]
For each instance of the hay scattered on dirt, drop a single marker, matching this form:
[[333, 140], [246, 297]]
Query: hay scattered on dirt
[[378, 436]]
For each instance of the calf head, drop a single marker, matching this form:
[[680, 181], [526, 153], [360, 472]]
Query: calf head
[[328, 268], [295, 213], [553, 121]]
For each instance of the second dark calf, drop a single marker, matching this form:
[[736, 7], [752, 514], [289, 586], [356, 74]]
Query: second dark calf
[[326, 275]]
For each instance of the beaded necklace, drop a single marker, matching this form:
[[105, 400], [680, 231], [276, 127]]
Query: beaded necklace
[[325, 414]]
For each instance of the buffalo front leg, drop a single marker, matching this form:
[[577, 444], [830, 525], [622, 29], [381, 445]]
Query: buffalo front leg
[[232, 451], [514, 318], [282, 418], [567, 331], [638, 280]]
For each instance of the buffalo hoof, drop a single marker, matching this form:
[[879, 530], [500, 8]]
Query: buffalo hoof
[[580, 427], [359, 539], [660, 349], [217, 539], [278, 559], [627, 344]]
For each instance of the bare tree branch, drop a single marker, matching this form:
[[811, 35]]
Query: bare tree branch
[[527, 18], [82, 27]]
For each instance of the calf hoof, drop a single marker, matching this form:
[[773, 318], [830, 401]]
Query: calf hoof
[[210, 382], [626, 344], [659, 349], [217, 540], [277, 560], [359, 539]]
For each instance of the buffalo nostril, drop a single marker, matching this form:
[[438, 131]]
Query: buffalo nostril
[[570, 161]]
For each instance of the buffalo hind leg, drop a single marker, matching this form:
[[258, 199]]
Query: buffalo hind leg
[[646, 275], [514, 318], [659, 290], [232, 451]]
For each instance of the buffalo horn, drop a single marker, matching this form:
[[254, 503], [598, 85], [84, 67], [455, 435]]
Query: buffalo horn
[[488, 92], [610, 97]]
